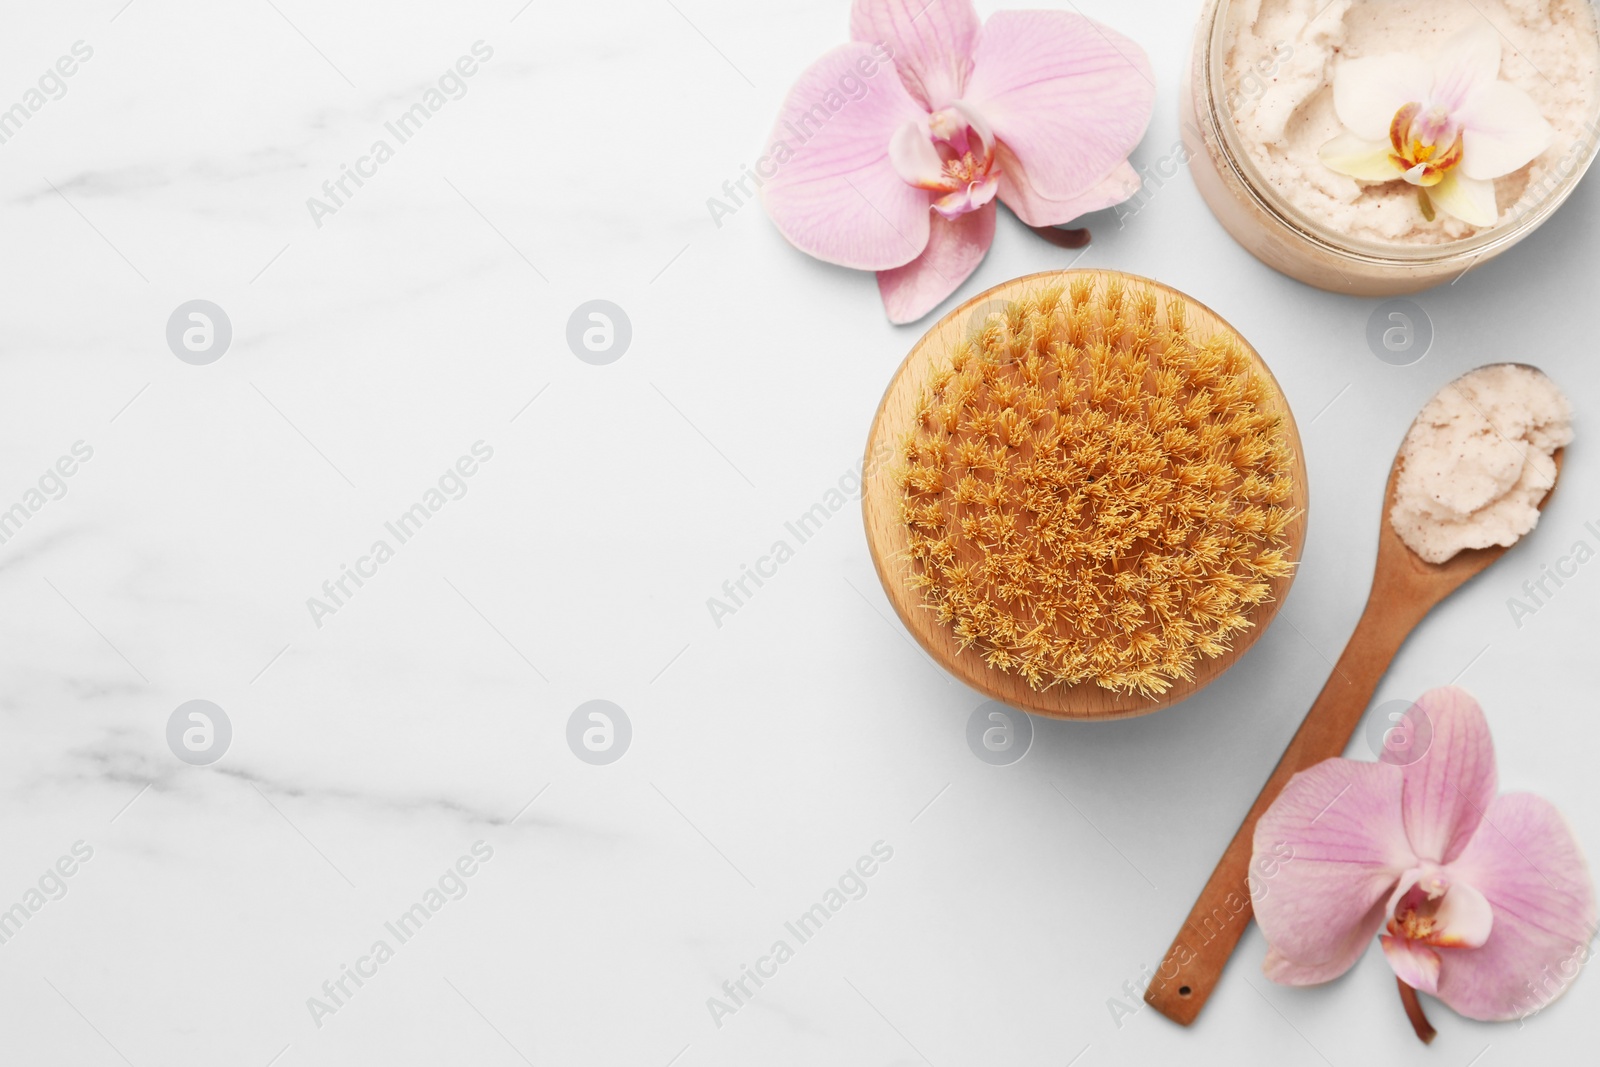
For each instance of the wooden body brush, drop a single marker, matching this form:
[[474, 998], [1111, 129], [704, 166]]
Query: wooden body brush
[[1084, 494]]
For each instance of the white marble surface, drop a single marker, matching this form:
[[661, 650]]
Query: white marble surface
[[430, 711]]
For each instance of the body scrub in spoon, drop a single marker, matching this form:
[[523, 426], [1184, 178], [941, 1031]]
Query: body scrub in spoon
[[1382, 146], [1478, 460]]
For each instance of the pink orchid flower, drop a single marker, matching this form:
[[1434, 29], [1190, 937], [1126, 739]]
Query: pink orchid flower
[[889, 151], [1450, 127], [1483, 901]]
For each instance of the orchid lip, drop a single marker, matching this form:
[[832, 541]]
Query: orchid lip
[[1427, 143], [951, 152], [1429, 907]]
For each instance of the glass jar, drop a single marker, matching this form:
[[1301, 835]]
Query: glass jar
[[1289, 239]]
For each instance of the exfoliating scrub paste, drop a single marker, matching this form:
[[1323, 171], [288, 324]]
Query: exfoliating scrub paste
[[1477, 461], [1279, 65]]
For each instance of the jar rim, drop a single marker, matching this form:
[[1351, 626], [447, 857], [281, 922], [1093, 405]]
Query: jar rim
[[1484, 244]]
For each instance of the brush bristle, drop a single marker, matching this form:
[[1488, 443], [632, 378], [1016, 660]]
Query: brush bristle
[[1093, 493]]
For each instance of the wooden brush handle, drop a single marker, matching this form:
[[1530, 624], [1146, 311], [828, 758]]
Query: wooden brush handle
[[1189, 971]]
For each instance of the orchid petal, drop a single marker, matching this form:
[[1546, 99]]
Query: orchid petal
[[1414, 963], [914, 158], [1368, 161], [835, 194], [1285, 971], [955, 248], [1503, 131], [1465, 918], [1340, 820], [1526, 863], [931, 42], [1472, 200], [1368, 91], [976, 123], [1453, 783], [1035, 209], [1068, 97], [1468, 63]]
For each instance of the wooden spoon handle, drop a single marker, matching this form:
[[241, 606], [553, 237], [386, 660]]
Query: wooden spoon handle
[[1191, 967]]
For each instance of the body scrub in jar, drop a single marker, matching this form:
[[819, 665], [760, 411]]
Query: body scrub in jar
[[1375, 147]]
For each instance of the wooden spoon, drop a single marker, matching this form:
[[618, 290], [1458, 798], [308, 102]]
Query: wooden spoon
[[1404, 589]]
